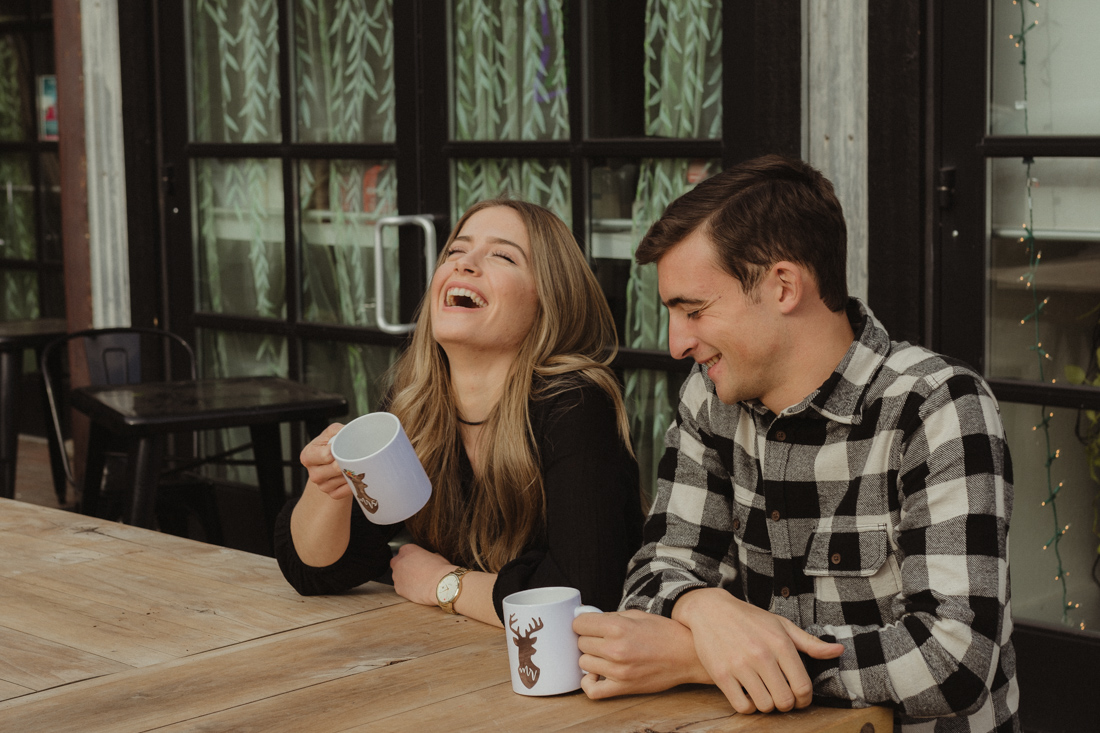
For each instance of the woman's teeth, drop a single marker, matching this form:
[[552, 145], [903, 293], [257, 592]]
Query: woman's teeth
[[465, 298]]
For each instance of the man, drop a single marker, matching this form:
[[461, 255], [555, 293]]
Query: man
[[832, 509]]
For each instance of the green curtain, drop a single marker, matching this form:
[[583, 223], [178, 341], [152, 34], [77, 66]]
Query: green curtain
[[510, 84], [683, 84], [345, 86]]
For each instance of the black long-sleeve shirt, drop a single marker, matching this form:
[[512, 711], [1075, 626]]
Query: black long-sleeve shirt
[[593, 513]]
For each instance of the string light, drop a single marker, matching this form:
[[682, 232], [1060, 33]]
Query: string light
[[1029, 279]]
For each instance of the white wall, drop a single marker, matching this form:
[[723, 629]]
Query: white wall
[[834, 113]]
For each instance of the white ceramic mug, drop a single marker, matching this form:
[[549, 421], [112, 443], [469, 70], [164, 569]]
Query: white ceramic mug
[[381, 467], [542, 647]]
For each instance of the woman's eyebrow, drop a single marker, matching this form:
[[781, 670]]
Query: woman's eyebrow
[[493, 240]]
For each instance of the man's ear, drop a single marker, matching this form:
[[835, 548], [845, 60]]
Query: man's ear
[[788, 284]]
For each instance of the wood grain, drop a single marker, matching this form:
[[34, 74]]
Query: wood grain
[[110, 629], [32, 663], [266, 669]]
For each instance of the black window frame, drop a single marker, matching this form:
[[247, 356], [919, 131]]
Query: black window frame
[[36, 24], [766, 55]]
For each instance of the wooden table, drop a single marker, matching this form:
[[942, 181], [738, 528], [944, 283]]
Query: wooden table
[[109, 627], [144, 414], [15, 338]]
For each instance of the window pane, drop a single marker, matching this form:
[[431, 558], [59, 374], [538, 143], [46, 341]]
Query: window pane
[[544, 182], [21, 297], [626, 197], [17, 216], [239, 237], [344, 54], [357, 371], [613, 185], [340, 202], [1039, 566], [1043, 76], [651, 400], [508, 70], [651, 396], [234, 71], [15, 97], [1045, 267], [232, 354], [655, 69]]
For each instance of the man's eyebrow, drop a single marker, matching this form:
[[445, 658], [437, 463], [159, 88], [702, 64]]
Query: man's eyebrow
[[679, 300]]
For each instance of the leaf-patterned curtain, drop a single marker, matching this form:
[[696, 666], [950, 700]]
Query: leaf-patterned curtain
[[683, 99], [345, 83], [239, 238], [510, 84]]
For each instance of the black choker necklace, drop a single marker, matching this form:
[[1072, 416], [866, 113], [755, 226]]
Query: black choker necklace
[[467, 422]]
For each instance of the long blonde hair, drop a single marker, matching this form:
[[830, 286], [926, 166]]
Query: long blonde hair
[[573, 337]]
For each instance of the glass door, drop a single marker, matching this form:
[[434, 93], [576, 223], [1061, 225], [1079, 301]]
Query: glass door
[[279, 158], [1020, 264]]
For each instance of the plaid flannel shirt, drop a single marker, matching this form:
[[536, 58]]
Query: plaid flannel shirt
[[874, 513]]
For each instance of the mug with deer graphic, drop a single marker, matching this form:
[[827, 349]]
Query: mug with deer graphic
[[542, 647], [381, 467]]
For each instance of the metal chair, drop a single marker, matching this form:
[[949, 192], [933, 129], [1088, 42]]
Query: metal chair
[[117, 356]]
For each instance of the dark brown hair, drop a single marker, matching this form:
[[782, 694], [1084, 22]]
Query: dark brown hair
[[758, 213]]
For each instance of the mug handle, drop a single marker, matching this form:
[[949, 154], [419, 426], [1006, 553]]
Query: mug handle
[[585, 609]]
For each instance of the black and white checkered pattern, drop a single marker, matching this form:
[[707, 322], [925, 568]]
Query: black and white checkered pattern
[[874, 513]]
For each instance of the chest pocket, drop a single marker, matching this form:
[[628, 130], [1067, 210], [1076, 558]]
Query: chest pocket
[[855, 553], [856, 577]]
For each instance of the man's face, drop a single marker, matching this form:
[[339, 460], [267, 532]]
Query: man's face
[[711, 320]]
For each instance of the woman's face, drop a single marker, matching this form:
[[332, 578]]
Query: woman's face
[[483, 296]]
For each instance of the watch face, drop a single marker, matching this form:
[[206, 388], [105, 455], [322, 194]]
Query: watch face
[[447, 589]]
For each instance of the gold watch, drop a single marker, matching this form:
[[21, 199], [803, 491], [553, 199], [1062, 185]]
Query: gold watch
[[448, 589]]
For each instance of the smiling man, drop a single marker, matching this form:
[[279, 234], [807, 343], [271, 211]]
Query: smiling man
[[832, 507]]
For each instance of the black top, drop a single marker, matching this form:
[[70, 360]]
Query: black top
[[593, 513]]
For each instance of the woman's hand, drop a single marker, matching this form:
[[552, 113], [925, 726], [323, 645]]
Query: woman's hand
[[324, 472], [417, 572]]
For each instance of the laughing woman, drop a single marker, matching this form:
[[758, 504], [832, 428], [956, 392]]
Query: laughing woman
[[507, 398]]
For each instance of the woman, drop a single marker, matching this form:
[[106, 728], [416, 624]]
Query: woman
[[506, 396]]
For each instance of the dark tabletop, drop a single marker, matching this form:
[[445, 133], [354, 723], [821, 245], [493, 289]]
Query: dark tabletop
[[205, 404], [30, 333]]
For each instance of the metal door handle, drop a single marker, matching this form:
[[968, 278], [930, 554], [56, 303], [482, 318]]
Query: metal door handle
[[427, 224]]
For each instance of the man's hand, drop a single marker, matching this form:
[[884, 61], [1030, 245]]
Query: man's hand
[[750, 653], [635, 652], [417, 572]]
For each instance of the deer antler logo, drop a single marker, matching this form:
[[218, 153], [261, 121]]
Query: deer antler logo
[[369, 502], [528, 671]]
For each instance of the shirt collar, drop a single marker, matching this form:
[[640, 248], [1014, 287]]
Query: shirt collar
[[840, 398]]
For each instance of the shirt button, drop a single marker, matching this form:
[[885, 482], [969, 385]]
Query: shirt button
[[737, 524], [835, 558], [780, 435], [775, 515], [785, 592]]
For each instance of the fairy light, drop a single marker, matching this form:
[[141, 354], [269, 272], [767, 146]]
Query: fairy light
[[1029, 279]]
